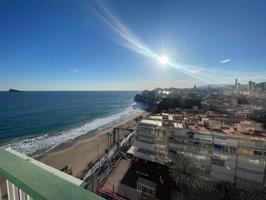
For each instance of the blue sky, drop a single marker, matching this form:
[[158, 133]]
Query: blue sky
[[116, 45]]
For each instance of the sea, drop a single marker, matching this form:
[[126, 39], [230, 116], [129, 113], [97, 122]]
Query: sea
[[35, 122]]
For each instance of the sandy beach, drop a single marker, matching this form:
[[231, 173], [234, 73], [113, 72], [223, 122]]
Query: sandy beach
[[81, 151]]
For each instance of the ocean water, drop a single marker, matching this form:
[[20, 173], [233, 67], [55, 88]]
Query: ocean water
[[34, 122]]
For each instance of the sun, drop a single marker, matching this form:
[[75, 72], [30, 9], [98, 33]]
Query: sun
[[164, 60]]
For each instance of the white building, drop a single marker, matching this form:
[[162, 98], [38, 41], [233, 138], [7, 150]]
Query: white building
[[238, 159]]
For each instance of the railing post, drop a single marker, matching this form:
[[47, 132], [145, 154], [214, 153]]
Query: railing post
[[22, 195], [29, 198], [0, 192], [15, 192], [9, 190]]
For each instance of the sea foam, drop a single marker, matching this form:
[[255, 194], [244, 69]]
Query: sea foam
[[37, 145]]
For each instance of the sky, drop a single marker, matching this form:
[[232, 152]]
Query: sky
[[130, 45]]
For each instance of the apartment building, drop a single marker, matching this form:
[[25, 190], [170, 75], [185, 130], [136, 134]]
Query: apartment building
[[151, 141], [222, 154]]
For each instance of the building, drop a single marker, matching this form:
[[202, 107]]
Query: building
[[236, 86], [148, 177], [249, 127], [151, 141], [222, 151], [23, 178], [239, 160]]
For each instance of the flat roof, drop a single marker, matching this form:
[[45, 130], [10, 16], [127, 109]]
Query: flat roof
[[156, 117], [38, 182], [152, 172], [151, 122]]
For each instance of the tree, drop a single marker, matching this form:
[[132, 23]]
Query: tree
[[227, 191], [186, 175]]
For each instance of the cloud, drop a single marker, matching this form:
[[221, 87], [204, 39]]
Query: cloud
[[227, 60], [74, 70]]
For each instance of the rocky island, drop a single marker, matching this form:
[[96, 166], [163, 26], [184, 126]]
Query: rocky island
[[13, 90]]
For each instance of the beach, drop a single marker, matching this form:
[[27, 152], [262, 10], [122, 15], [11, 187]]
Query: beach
[[81, 151]]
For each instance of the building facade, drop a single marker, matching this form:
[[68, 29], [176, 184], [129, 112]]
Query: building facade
[[235, 158], [238, 160]]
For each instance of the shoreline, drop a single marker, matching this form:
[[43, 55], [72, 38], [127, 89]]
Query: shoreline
[[84, 149], [37, 144]]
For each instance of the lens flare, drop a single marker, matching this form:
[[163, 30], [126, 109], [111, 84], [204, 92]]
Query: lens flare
[[164, 60], [129, 40]]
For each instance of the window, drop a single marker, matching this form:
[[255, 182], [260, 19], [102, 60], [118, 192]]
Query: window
[[232, 149], [258, 153], [172, 151], [208, 146], [224, 149], [217, 146], [219, 162], [196, 143]]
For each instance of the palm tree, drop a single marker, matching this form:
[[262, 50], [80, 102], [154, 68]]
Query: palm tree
[[186, 175]]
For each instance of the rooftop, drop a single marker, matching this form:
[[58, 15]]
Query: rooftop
[[151, 122], [228, 132], [196, 123], [151, 172], [156, 117], [38, 182]]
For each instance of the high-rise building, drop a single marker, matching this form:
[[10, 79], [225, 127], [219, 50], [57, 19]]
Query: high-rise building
[[236, 83], [249, 85], [236, 86]]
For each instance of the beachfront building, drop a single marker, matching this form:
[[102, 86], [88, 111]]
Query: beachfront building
[[223, 151], [151, 141], [239, 160], [23, 178], [147, 176]]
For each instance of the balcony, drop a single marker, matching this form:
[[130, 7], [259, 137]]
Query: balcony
[[27, 178], [150, 156], [151, 147]]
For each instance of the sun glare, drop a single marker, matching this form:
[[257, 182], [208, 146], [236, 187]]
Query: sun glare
[[163, 60]]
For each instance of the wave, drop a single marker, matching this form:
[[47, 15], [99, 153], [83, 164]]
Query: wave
[[37, 145]]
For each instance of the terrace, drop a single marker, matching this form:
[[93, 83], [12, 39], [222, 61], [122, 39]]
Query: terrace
[[146, 179], [28, 179]]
